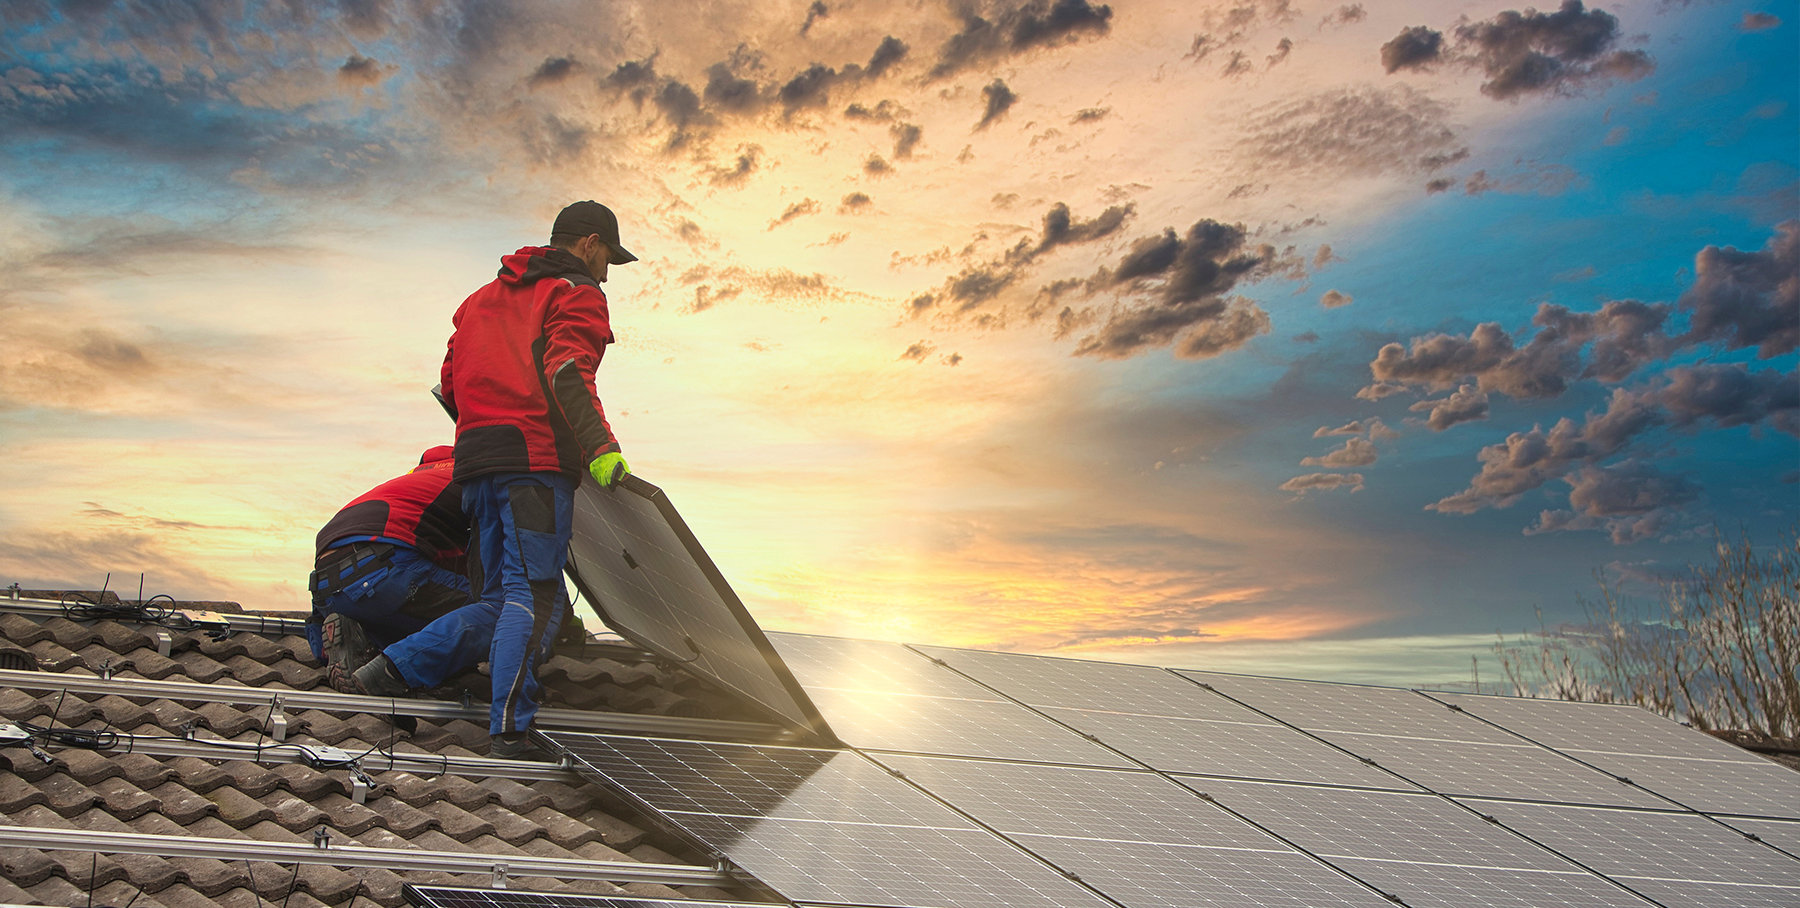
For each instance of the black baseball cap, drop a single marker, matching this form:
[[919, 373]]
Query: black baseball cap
[[591, 217]]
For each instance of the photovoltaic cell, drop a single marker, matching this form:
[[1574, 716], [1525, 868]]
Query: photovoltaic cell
[[1249, 751], [822, 825], [1419, 847], [1138, 838], [452, 897], [1674, 858], [884, 696], [1321, 707], [634, 558], [1690, 767], [1783, 834], [1079, 684]]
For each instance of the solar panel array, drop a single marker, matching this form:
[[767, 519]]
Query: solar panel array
[[648, 578], [984, 779], [454, 897]]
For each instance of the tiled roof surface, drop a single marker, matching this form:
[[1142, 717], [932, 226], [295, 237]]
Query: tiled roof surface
[[116, 791]]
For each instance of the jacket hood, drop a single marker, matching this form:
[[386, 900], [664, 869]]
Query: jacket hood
[[534, 263]]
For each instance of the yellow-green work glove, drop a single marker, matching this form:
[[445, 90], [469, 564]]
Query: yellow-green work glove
[[608, 469]]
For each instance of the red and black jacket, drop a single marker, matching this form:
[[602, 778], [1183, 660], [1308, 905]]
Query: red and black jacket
[[519, 372], [422, 509]]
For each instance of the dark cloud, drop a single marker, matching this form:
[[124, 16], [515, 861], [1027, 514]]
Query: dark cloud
[[1306, 337], [1527, 460], [1344, 15], [1465, 405], [1188, 279], [887, 54], [1531, 177], [906, 137], [1282, 48], [726, 91], [1441, 184], [811, 88], [1323, 482], [855, 201], [1356, 452], [1237, 64], [1621, 337], [1324, 257], [998, 100], [553, 71], [1353, 427], [1333, 299], [1756, 22], [363, 71], [1018, 29], [1356, 131], [818, 10], [1090, 115], [954, 359], [917, 352], [1527, 53], [885, 112], [798, 209], [1629, 500], [977, 284], [1748, 299], [1416, 47], [748, 158], [877, 166], [1732, 395]]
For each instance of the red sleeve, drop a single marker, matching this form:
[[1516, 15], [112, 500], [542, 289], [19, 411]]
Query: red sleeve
[[576, 332]]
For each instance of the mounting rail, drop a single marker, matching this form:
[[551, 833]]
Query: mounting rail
[[280, 699], [266, 625], [322, 756], [396, 859]]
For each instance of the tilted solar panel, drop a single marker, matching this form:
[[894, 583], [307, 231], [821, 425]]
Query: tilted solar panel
[[1420, 847], [1674, 858], [823, 825], [634, 558], [1137, 837], [1426, 742], [884, 696], [1783, 834], [454, 897], [1691, 768]]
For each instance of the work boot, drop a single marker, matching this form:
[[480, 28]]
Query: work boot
[[377, 678], [347, 646], [517, 746]]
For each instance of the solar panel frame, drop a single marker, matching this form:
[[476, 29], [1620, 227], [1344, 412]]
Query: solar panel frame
[[631, 602], [1320, 707], [1050, 681], [825, 826], [1782, 834], [467, 897], [998, 729]]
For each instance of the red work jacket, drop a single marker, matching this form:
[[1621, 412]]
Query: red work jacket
[[422, 509], [519, 371]]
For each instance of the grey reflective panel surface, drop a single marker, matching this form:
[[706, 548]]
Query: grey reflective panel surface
[[1251, 751], [1078, 684], [1783, 834], [822, 825], [632, 556], [1518, 770], [1320, 707], [1136, 836], [1659, 854], [1456, 886], [868, 665], [1147, 875], [979, 728], [452, 897], [1419, 847], [1761, 788]]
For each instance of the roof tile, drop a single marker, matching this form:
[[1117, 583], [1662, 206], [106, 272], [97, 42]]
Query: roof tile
[[458, 823], [514, 796], [209, 877], [123, 714], [472, 736], [250, 778], [88, 766], [328, 884], [22, 630], [71, 635], [322, 725], [181, 804], [54, 657], [145, 871], [347, 816], [419, 792], [56, 891], [238, 809], [616, 833], [23, 764], [297, 675], [374, 729], [70, 709], [123, 799], [183, 896], [401, 818], [143, 770], [382, 886], [229, 721], [16, 794], [18, 705], [223, 648], [101, 660], [172, 716], [121, 893], [122, 638], [305, 782], [197, 774], [152, 664], [198, 666], [563, 830], [510, 827], [66, 796], [26, 867], [250, 671], [293, 813]]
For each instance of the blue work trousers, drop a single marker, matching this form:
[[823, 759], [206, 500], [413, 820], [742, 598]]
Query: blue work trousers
[[393, 601], [519, 535]]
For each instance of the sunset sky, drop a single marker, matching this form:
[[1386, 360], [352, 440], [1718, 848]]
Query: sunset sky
[[1314, 339]]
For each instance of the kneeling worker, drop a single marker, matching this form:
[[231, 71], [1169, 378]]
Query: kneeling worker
[[388, 564]]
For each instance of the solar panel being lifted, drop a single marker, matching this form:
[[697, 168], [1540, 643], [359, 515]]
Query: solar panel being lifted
[[646, 575]]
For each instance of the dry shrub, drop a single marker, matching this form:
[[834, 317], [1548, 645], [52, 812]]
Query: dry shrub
[[1720, 648]]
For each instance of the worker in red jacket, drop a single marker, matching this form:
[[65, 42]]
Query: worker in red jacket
[[389, 563], [518, 377]]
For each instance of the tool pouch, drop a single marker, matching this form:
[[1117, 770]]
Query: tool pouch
[[346, 567]]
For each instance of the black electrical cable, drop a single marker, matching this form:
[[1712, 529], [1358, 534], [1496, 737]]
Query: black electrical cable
[[148, 611], [85, 738]]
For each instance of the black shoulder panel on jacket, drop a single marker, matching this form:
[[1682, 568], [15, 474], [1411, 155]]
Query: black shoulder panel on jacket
[[491, 449], [368, 518]]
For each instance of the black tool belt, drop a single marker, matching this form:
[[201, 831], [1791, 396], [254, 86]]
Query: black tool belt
[[343, 566]]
